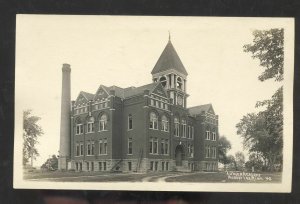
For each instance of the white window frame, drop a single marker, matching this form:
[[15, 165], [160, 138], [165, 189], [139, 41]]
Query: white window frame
[[207, 135], [153, 121], [103, 123], [128, 146], [165, 124], [80, 129], [130, 119], [81, 150]]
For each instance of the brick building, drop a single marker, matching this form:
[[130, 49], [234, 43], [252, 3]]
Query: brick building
[[146, 128]]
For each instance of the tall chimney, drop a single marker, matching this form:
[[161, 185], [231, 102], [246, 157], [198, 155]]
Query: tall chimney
[[64, 148]]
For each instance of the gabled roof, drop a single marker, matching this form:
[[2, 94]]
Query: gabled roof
[[169, 59], [131, 91], [87, 95], [200, 109]]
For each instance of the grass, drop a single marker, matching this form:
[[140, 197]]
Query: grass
[[196, 177]]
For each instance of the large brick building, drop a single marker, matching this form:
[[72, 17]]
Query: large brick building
[[146, 128]]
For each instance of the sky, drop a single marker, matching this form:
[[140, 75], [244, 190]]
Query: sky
[[122, 51]]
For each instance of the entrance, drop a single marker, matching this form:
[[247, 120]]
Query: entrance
[[179, 154]]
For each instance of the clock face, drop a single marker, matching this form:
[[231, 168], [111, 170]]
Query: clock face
[[179, 100]]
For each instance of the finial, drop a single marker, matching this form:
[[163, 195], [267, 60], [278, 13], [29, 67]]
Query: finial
[[169, 36]]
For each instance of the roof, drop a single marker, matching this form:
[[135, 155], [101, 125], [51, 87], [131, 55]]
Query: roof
[[199, 109], [130, 91], [169, 59], [87, 95]]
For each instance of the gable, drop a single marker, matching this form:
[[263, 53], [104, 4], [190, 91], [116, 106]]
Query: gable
[[159, 90], [101, 93], [211, 110], [81, 100]]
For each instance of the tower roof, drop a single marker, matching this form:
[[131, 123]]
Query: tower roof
[[169, 59]]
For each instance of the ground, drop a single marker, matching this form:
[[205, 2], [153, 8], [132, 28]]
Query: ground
[[209, 177]]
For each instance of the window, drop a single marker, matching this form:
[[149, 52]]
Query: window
[[100, 147], [167, 166], [157, 104], [207, 137], [155, 146], [162, 147], [151, 146], [214, 136], [100, 166], [88, 148], [81, 149], [161, 105], [152, 102], [183, 128], [129, 122], [192, 151], [166, 146], [92, 148], [92, 166], [104, 166], [166, 106], [163, 81], [129, 166], [179, 83], [77, 150], [192, 132], [207, 151], [87, 166], [151, 165], [165, 124], [90, 125], [79, 129], [189, 132], [214, 152], [105, 146], [162, 166], [156, 166], [176, 130], [153, 121], [129, 145], [103, 122]]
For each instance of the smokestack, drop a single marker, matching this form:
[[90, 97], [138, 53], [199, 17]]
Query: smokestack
[[64, 148]]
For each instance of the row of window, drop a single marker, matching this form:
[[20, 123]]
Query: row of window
[[100, 106], [154, 166], [168, 83], [90, 126], [81, 110], [185, 132], [210, 152], [90, 166], [211, 136], [159, 104], [153, 146], [90, 148], [211, 167]]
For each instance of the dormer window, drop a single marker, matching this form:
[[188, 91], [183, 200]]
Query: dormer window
[[163, 81], [179, 83]]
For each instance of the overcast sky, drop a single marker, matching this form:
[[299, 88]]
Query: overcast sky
[[123, 50]]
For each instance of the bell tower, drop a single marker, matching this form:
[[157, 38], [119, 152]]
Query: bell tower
[[171, 73]]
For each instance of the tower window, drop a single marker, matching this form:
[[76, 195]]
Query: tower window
[[153, 121], [179, 83], [163, 81], [103, 122], [129, 122]]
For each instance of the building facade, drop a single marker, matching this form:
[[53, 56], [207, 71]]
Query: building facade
[[140, 129]]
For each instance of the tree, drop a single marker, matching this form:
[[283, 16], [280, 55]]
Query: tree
[[31, 132], [239, 161], [254, 162], [268, 48], [262, 133], [51, 163], [223, 147]]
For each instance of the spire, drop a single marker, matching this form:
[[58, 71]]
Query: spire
[[169, 59]]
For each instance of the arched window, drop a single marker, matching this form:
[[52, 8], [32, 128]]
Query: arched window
[[183, 128], [79, 127], [179, 83], [164, 123], [129, 122], [153, 121], [90, 125], [176, 129], [103, 122], [163, 81]]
